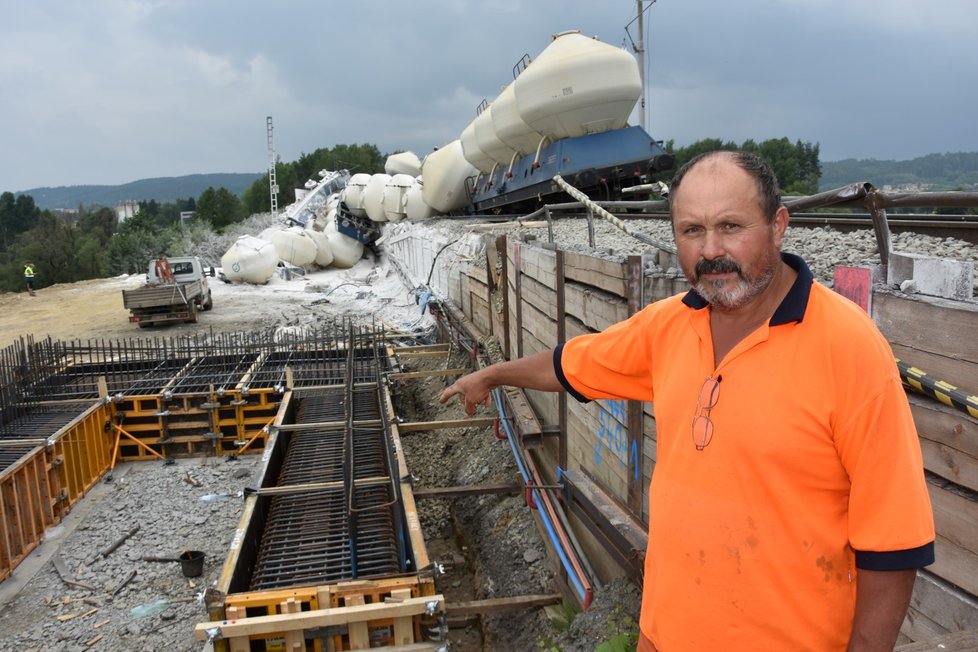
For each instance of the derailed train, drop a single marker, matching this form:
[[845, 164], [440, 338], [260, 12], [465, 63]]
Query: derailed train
[[565, 113]]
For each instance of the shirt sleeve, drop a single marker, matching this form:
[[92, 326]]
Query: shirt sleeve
[[613, 364], [891, 523]]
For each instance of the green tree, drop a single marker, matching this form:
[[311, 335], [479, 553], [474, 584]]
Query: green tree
[[99, 224], [17, 215], [796, 164], [354, 158], [219, 207]]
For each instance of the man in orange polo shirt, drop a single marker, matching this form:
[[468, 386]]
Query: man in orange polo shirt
[[788, 508]]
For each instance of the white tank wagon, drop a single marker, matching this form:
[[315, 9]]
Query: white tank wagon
[[393, 199], [250, 260], [445, 173], [471, 150], [489, 141], [346, 250], [414, 205], [293, 245], [373, 197], [577, 86], [403, 163], [324, 252], [352, 195], [510, 127]]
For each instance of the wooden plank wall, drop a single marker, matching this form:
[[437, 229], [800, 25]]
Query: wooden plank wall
[[613, 443]]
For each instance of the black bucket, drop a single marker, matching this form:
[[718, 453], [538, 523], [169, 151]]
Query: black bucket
[[192, 563]]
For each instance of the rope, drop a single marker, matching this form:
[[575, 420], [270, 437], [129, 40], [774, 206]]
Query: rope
[[638, 235]]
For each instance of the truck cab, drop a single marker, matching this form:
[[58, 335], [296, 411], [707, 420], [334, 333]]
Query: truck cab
[[183, 270]]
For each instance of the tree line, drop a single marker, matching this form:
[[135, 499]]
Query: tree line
[[92, 243], [796, 164]]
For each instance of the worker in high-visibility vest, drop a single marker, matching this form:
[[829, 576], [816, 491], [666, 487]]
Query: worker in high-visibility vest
[[29, 276]]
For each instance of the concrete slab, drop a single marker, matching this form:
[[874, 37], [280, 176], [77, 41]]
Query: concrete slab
[[939, 277]]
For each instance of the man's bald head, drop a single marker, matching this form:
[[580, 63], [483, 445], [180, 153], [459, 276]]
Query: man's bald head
[[768, 190]]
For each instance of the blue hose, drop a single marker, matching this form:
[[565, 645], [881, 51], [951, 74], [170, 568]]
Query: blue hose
[[510, 436]]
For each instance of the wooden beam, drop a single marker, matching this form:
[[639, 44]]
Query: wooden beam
[[420, 426], [328, 425], [400, 350], [423, 354], [264, 625], [496, 605], [315, 486], [402, 375], [957, 642], [468, 490]]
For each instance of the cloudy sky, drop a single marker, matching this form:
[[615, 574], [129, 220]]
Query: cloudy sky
[[111, 91]]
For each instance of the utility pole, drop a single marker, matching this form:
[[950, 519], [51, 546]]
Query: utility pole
[[640, 54], [272, 183], [639, 49]]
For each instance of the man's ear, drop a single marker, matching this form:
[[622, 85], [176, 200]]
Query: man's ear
[[781, 219]]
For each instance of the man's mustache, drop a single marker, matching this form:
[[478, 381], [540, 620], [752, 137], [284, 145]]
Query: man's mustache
[[716, 266]]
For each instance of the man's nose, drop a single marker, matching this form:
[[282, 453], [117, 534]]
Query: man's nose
[[713, 245]]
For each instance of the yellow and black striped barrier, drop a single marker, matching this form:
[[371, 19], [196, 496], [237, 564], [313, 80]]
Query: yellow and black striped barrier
[[943, 391]]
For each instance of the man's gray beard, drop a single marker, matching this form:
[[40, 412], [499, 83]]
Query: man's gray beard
[[743, 293]]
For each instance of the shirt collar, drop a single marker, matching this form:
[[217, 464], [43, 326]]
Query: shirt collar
[[793, 305]]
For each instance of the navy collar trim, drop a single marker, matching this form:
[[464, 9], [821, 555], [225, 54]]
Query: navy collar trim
[[793, 305]]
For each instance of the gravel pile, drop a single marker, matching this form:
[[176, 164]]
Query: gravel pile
[[158, 607], [822, 247]]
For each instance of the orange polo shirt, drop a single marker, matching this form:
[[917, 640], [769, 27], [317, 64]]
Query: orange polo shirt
[[813, 470]]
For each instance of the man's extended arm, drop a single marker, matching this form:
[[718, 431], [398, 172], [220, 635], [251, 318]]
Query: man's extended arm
[[882, 598], [532, 372]]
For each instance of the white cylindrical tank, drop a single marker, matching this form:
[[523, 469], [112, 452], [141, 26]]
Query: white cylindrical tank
[[471, 150], [403, 163], [414, 206], [373, 197], [250, 260], [489, 142], [324, 253], [293, 245], [352, 195], [393, 201], [346, 250], [445, 173], [576, 86], [509, 126]]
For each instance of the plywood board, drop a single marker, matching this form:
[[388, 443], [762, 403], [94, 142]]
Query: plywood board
[[956, 565], [962, 374], [662, 287], [943, 603], [928, 324], [595, 308], [598, 272], [540, 297], [539, 264]]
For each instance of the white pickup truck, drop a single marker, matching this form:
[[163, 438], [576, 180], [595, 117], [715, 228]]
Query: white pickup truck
[[176, 288]]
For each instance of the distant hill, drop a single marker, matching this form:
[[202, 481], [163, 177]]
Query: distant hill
[[162, 189], [953, 171]]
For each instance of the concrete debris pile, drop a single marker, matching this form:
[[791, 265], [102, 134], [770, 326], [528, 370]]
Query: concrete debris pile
[[94, 588]]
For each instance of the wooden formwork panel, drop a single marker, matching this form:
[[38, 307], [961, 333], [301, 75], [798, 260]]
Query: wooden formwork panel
[[25, 508], [351, 615], [83, 452], [195, 424]]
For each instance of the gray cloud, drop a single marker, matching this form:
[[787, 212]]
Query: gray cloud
[[109, 91]]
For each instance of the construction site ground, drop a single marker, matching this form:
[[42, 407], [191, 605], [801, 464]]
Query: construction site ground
[[489, 544]]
